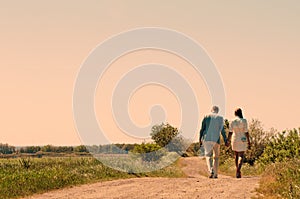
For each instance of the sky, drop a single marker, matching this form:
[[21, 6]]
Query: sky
[[255, 46]]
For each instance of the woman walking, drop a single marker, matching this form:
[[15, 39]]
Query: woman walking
[[239, 138]]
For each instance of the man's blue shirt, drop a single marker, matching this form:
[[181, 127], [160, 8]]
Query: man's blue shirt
[[212, 126]]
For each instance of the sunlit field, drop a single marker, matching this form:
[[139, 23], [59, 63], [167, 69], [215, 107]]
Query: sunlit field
[[26, 176]]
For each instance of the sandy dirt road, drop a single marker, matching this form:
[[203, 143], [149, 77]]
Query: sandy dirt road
[[193, 186]]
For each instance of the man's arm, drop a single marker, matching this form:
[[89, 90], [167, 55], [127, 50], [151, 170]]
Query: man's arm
[[203, 127], [223, 132]]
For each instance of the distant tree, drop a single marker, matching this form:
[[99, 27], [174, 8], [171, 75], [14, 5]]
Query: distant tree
[[94, 149], [104, 148], [48, 148], [22, 150], [163, 134], [7, 149], [63, 149], [80, 148], [30, 149], [128, 147]]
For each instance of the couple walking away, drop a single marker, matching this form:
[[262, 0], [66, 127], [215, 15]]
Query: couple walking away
[[238, 137]]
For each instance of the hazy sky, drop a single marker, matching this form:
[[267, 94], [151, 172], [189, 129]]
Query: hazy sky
[[254, 44]]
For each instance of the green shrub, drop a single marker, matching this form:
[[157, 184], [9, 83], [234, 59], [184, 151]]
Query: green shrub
[[25, 163], [282, 147], [149, 151], [193, 149], [163, 134], [259, 140], [281, 179]]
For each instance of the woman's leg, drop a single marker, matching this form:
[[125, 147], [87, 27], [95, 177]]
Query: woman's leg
[[239, 162], [236, 158]]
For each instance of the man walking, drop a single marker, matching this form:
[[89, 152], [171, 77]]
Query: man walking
[[212, 126]]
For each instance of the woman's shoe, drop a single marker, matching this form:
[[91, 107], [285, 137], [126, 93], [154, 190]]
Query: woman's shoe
[[238, 174]]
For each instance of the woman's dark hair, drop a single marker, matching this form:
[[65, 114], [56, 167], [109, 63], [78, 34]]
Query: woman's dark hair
[[238, 112]]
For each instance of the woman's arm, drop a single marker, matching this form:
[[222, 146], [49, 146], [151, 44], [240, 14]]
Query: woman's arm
[[248, 139], [229, 138]]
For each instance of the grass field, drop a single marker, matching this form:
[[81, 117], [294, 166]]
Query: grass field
[[26, 176]]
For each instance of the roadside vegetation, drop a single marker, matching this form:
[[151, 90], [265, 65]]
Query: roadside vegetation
[[36, 169], [275, 156], [27, 176]]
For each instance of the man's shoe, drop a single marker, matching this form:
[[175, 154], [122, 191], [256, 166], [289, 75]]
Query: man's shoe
[[215, 176], [211, 174]]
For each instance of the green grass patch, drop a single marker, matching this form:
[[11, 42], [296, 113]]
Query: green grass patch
[[228, 168], [23, 177], [281, 180]]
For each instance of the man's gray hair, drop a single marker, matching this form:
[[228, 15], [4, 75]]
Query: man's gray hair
[[215, 109]]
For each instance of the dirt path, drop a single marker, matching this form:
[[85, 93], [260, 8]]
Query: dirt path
[[194, 186]]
